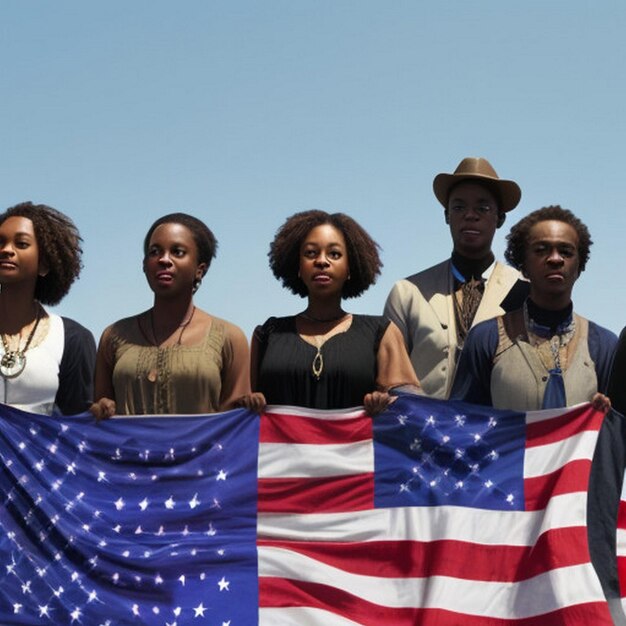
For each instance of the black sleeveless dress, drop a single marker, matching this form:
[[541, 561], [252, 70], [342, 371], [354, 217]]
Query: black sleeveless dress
[[349, 364]]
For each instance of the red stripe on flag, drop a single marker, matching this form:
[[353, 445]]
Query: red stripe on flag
[[571, 478], [283, 428], [621, 558], [336, 494], [276, 592], [414, 559], [621, 572], [621, 515], [559, 428]]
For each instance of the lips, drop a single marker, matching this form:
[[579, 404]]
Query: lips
[[321, 278], [164, 277], [7, 265], [555, 276]]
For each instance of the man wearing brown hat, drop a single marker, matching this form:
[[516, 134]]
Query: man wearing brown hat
[[436, 308]]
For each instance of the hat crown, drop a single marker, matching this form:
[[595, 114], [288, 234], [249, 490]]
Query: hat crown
[[478, 170], [475, 166]]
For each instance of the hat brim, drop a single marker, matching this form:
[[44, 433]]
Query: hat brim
[[508, 192]]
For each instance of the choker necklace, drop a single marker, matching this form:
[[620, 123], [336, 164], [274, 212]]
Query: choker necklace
[[13, 362], [319, 320]]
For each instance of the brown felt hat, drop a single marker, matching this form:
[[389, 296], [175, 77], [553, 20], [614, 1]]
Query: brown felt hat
[[477, 169]]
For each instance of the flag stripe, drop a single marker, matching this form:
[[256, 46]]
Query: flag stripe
[[311, 604], [568, 586], [316, 495], [553, 456], [572, 478], [394, 559], [309, 461], [299, 615], [560, 424], [416, 523], [279, 428], [335, 415]]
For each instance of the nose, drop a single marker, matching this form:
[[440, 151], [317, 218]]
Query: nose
[[471, 214], [164, 259], [555, 257], [6, 249], [321, 261]]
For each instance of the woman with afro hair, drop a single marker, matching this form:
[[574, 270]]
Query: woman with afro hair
[[47, 361], [326, 357]]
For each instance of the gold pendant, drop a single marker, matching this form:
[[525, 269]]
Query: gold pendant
[[318, 364]]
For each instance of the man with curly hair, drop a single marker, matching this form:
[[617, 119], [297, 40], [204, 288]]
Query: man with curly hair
[[436, 308], [542, 355]]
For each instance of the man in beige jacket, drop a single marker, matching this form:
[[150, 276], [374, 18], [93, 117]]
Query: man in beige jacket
[[436, 308]]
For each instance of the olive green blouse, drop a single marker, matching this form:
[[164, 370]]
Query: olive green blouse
[[177, 379]]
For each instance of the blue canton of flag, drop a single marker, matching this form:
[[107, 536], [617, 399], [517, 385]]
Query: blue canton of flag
[[114, 523], [435, 454]]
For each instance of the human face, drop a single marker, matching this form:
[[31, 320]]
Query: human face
[[551, 263], [473, 218], [324, 261], [171, 264], [19, 252]]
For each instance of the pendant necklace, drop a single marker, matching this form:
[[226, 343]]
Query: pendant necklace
[[317, 365], [318, 360], [13, 362], [153, 374]]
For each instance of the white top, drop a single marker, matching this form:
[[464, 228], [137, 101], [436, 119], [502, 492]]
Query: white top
[[35, 389]]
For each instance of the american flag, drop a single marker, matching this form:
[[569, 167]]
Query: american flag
[[440, 514], [132, 521], [433, 513]]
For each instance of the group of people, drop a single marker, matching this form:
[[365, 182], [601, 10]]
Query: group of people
[[469, 328]]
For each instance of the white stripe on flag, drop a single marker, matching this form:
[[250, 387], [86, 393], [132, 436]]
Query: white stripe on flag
[[301, 616], [428, 523], [541, 460], [288, 460]]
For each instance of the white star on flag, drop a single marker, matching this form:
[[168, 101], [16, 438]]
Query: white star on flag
[[200, 609]]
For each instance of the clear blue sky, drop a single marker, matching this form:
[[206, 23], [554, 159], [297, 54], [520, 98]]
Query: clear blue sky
[[243, 113]]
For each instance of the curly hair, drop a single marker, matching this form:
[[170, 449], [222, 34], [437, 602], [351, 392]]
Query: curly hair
[[205, 240], [363, 258], [59, 244], [518, 237]]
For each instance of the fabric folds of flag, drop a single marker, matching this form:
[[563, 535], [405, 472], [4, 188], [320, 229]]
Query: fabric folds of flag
[[434, 514], [132, 521]]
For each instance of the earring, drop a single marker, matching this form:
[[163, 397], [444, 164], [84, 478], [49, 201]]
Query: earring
[[196, 285]]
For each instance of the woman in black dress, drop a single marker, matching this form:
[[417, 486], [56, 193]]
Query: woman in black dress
[[326, 357]]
